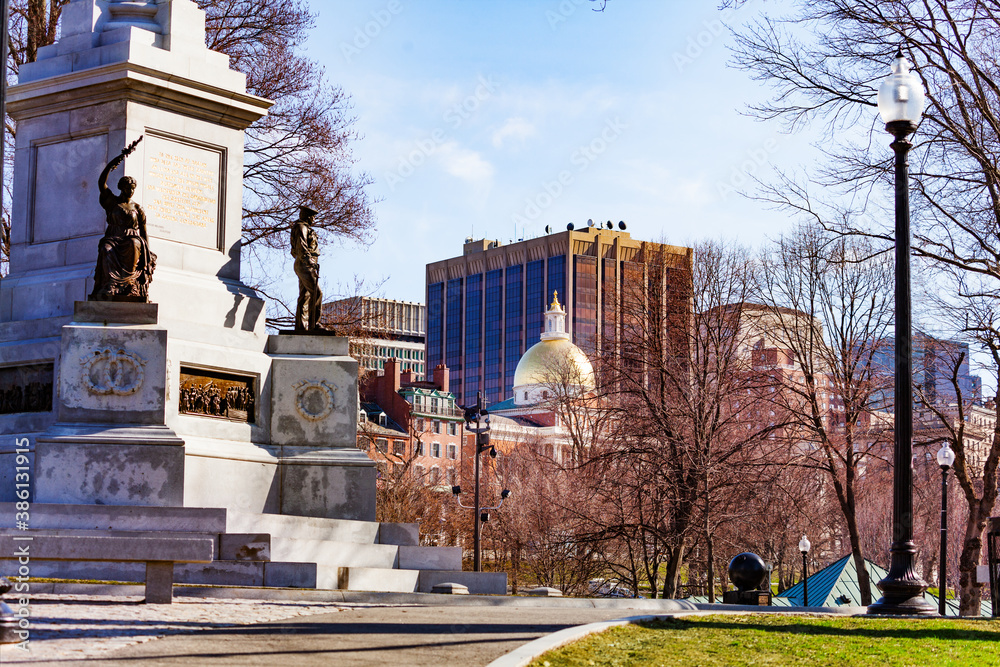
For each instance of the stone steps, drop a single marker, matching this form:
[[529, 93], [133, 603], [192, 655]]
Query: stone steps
[[317, 528], [44, 516], [217, 573], [260, 549], [412, 581], [327, 552]]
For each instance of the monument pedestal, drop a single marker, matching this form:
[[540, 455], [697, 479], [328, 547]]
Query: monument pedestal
[[314, 422], [110, 444]]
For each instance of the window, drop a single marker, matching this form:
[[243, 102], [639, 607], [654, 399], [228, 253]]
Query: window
[[420, 449], [435, 475], [452, 477], [452, 428], [434, 405], [452, 452], [437, 426], [418, 472], [399, 447], [382, 445], [436, 450]]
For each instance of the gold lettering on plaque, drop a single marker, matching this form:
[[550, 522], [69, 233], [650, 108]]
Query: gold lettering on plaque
[[182, 190]]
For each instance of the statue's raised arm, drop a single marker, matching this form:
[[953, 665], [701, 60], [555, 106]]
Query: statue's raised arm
[[102, 182]]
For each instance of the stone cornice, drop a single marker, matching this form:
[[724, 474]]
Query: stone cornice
[[136, 83]]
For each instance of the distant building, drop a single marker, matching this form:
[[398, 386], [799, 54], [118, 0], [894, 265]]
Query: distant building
[[933, 363], [382, 329], [932, 428], [486, 306], [551, 378], [417, 423]]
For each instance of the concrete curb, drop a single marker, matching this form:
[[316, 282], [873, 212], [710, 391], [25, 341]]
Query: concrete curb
[[523, 656]]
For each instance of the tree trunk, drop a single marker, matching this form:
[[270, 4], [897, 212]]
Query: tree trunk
[[710, 559], [673, 571], [970, 593], [864, 584]]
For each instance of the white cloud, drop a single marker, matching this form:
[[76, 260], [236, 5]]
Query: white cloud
[[468, 165], [516, 129]]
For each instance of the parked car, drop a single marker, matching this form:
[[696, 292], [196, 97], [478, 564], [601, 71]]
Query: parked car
[[610, 588]]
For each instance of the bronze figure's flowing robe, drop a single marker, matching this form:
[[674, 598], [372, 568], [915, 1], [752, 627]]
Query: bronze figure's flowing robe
[[124, 263]]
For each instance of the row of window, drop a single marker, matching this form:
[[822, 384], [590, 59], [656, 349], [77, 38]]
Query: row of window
[[405, 366], [433, 478], [399, 353], [433, 403], [399, 448], [435, 426]]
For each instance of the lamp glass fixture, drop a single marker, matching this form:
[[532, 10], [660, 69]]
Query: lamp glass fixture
[[804, 544], [901, 95], [946, 456]]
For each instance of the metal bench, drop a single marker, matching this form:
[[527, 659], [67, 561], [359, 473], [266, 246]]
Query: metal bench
[[159, 553]]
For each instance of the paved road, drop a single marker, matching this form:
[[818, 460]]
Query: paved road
[[398, 636]]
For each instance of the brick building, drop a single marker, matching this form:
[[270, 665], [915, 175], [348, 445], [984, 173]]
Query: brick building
[[413, 422]]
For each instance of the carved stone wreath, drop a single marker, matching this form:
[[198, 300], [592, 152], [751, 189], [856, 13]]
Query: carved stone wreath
[[112, 371], [314, 399]]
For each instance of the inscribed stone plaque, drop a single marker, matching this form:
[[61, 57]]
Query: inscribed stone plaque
[[65, 197], [182, 192]]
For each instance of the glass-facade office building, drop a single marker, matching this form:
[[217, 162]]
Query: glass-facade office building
[[487, 306]]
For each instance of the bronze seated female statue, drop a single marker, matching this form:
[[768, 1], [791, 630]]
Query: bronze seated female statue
[[124, 262]]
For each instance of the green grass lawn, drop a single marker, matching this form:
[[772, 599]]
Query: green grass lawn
[[759, 639]]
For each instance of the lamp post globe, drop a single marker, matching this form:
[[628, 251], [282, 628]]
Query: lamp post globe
[[804, 546], [946, 456], [901, 103], [945, 459], [901, 95]]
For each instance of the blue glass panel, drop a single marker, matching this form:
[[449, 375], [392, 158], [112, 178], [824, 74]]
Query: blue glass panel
[[513, 327]]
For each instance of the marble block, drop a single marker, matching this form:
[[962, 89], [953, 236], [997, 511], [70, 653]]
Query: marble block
[[333, 484], [112, 374], [313, 395], [109, 465]]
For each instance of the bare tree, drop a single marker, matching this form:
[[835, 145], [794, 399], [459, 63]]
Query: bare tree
[[826, 71], [680, 381], [815, 283]]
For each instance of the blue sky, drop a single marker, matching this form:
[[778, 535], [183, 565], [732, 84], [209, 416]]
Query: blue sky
[[494, 119]]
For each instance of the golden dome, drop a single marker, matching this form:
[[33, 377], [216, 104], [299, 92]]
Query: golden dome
[[554, 362]]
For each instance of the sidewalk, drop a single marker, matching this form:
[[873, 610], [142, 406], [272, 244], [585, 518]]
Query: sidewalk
[[302, 627], [353, 629], [76, 627]]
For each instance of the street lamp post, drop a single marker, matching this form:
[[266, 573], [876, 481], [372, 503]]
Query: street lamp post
[[804, 548], [945, 459], [901, 103], [476, 413]]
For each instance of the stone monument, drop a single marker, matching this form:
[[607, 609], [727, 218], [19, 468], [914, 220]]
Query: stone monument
[[184, 400]]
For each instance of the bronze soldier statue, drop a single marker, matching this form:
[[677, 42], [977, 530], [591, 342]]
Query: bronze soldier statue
[[305, 250], [124, 263]]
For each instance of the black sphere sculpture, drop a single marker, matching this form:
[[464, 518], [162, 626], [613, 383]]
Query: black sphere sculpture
[[747, 572]]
